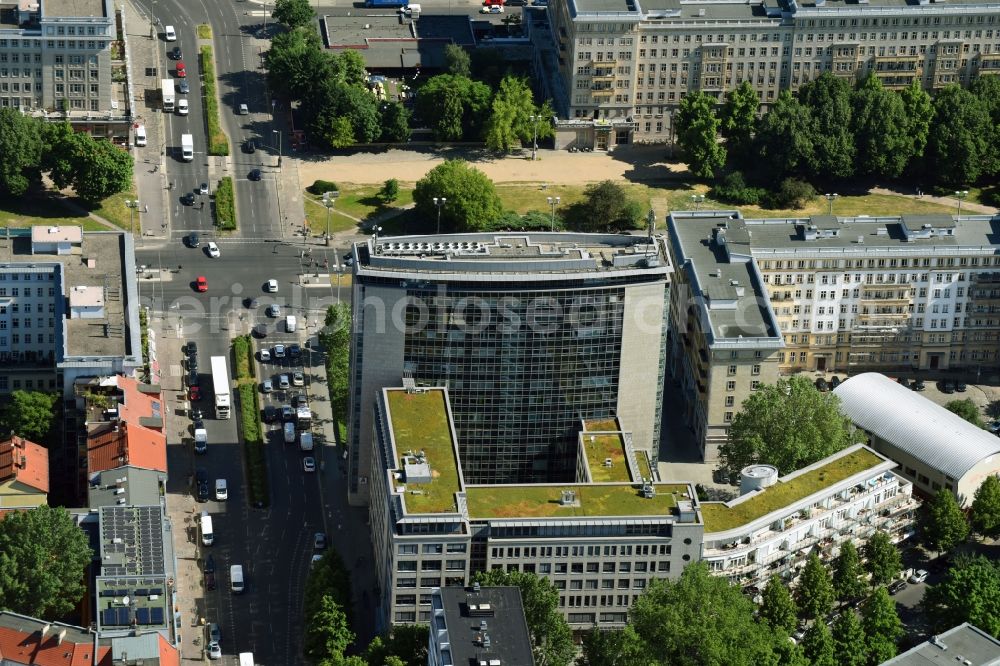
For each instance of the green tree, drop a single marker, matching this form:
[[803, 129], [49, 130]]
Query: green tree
[[389, 191], [879, 125], [818, 645], [454, 107], [814, 593], [987, 89], [293, 13], [395, 122], [784, 138], [849, 640], [828, 99], [336, 340], [919, 112], [967, 409], [297, 65], [970, 593], [884, 562], [43, 562], [739, 120], [847, 583], [349, 67], [944, 526], [702, 619], [405, 645], [29, 414], [327, 632], [960, 145], [59, 146], [551, 638], [613, 648], [101, 170], [472, 200], [881, 625], [606, 206], [457, 61], [512, 107], [698, 134], [20, 151], [985, 513], [778, 608], [789, 425]]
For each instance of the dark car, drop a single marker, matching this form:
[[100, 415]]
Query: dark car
[[196, 414], [251, 303], [904, 382], [188, 199], [183, 88], [898, 586], [191, 348], [961, 387], [210, 564], [821, 384], [249, 146], [947, 387], [918, 385], [192, 240], [259, 331], [287, 413], [193, 379], [201, 479], [198, 424], [294, 351], [192, 362], [271, 414], [254, 174], [176, 54], [209, 581], [834, 382]]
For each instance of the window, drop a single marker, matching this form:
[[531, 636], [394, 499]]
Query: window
[[730, 386], [732, 370], [755, 370], [730, 400], [728, 417]]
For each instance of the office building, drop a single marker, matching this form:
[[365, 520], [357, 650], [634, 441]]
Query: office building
[[835, 294], [934, 448], [478, 625], [530, 332], [619, 68], [775, 524], [965, 644], [600, 537]]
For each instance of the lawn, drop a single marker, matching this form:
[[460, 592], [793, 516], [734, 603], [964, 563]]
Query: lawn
[[524, 197], [114, 210], [218, 144], [720, 517], [536, 501], [420, 423], [600, 448], [35, 211], [355, 201]]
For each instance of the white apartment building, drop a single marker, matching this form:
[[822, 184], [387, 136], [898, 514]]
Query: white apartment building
[[617, 69]]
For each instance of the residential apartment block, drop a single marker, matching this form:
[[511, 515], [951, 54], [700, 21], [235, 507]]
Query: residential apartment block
[[530, 332], [841, 294], [618, 68], [600, 538]]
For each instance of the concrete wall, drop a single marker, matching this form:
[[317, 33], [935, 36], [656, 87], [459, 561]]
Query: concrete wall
[[643, 338]]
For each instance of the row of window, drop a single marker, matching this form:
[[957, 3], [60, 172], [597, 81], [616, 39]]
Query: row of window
[[431, 548], [16, 338], [901, 262], [30, 384]]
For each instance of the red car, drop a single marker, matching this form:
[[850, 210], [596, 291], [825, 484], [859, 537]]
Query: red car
[[181, 72], [201, 284], [194, 393]]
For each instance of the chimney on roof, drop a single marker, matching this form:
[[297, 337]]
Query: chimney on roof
[[60, 636], [44, 631]]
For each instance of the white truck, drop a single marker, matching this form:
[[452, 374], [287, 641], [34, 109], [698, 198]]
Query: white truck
[[187, 147], [220, 386], [207, 535], [167, 92]]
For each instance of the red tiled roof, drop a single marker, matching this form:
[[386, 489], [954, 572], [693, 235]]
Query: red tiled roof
[[127, 444], [169, 655], [18, 646], [135, 403], [26, 461]]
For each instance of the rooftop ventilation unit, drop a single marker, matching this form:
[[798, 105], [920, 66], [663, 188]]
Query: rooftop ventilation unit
[[567, 497], [648, 491]]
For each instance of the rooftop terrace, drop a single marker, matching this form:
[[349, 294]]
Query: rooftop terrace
[[719, 516], [602, 441], [542, 501]]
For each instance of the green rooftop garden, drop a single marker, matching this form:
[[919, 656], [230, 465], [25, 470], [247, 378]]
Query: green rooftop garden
[[542, 501], [601, 447], [420, 423], [600, 425], [719, 517], [644, 468]]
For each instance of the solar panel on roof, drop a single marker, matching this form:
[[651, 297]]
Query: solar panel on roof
[[123, 616], [140, 592], [108, 617], [142, 616], [156, 590], [157, 615]]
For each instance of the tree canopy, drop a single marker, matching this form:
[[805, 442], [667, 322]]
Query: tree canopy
[[336, 340], [697, 134], [457, 61], [828, 99], [785, 136], [985, 510], [818, 645], [881, 625], [472, 201], [739, 120], [29, 414], [43, 561], [20, 151], [514, 119], [960, 143], [967, 409], [970, 592], [613, 648], [454, 107], [944, 524], [879, 124], [847, 583], [814, 593], [849, 640], [606, 206], [883, 560], [778, 608], [293, 13], [789, 425]]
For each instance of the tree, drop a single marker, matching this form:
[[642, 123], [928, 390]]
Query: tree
[[43, 562], [970, 593], [960, 147], [472, 200], [847, 583], [739, 119], [606, 206], [944, 525], [879, 125], [454, 107], [985, 514], [828, 99], [551, 638], [784, 138], [29, 414], [919, 112], [987, 89], [698, 134], [101, 170], [884, 562], [849, 640], [336, 340], [613, 648], [349, 67], [389, 191], [815, 591], [881, 625], [332, 100], [293, 13], [778, 608], [509, 122], [405, 645], [789, 425], [297, 65], [818, 645], [457, 61], [967, 409], [395, 122], [702, 619], [327, 633], [20, 150]]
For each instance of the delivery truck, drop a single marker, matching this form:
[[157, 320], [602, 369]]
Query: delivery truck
[[220, 385], [187, 147], [386, 3], [167, 92]]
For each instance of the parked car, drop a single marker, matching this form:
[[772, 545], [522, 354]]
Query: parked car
[[181, 70], [254, 174], [919, 576], [994, 427], [214, 651], [904, 382], [834, 382], [201, 478], [191, 348], [821, 384], [221, 490], [298, 379], [294, 351], [266, 386], [961, 387], [918, 385], [947, 387], [194, 393], [209, 581], [214, 633], [192, 240], [283, 382], [271, 286], [319, 541], [203, 188], [308, 464], [287, 413], [898, 586], [274, 310], [264, 355], [175, 53], [183, 87], [188, 199], [279, 351], [271, 414]]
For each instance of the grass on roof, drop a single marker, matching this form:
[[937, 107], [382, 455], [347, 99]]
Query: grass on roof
[[600, 425], [539, 501], [644, 468], [601, 448], [719, 517], [420, 423]]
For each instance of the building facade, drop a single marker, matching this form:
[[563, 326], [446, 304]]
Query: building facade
[[624, 65], [529, 332], [843, 294]]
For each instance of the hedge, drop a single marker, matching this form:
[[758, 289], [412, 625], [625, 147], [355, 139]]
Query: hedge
[[218, 144], [320, 187], [256, 462], [225, 205], [243, 351]]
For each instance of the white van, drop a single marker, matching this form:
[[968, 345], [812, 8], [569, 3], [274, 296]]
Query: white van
[[200, 440], [182, 107], [236, 578], [412, 10], [170, 33], [140, 136], [207, 535], [290, 323], [289, 433], [246, 659], [187, 147], [306, 441]]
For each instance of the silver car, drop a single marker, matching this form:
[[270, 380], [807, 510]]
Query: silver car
[[266, 386], [283, 382]]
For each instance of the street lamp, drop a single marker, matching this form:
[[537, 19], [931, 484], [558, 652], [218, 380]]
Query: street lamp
[[697, 199], [133, 208], [377, 231], [830, 198], [960, 195], [328, 201], [151, 3], [279, 147], [439, 202], [534, 135], [553, 202]]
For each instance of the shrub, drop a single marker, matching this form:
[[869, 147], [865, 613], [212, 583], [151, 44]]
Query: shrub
[[256, 464], [389, 191], [243, 351], [734, 190], [792, 193], [225, 205], [321, 187], [218, 144]]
